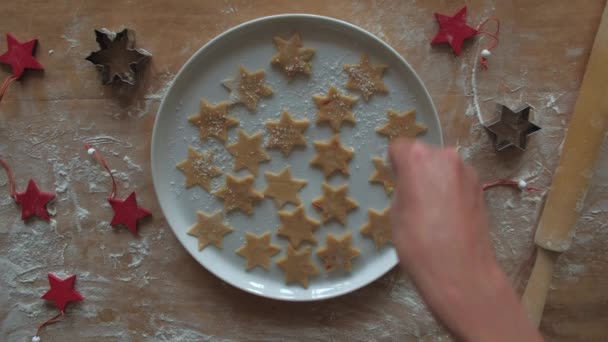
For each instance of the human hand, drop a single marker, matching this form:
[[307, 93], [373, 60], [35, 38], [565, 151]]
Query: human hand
[[440, 231]]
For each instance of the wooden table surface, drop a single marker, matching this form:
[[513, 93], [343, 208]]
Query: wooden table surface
[[149, 288]]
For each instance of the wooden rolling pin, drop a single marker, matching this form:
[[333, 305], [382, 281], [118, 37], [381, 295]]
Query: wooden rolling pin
[[586, 132]]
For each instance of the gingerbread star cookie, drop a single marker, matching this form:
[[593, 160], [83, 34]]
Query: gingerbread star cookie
[[238, 193], [297, 227], [338, 253], [401, 126], [258, 250], [209, 229], [283, 188], [247, 88], [332, 157], [286, 133], [297, 266], [248, 152], [334, 204], [378, 227], [292, 58], [213, 120], [382, 175], [199, 169], [334, 109], [365, 77]]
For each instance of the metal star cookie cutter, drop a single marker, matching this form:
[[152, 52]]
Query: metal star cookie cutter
[[512, 128], [118, 58]]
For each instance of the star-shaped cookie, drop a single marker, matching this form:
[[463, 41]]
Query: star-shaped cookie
[[258, 250], [248, 152], [199, 169], [297, 227], [286, 133], [382, 175], [401, 126], [282, 188], [378, 227], [513, 128], [334, 109], [209, 229], [291, 57], [297, 266], [338, 253], [334, 204], [213, 120], [332, 157], [365, 77], [238, 193], [247, 88]]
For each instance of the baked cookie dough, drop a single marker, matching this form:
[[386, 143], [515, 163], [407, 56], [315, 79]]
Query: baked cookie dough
[[286, 133], [297, 266], [378, 227], [334, 109], [382, 175], [365, 77], [199, 169], [401, 126], [338, 253], [258, 250], [291, 57], [334, 204], [297, 227], [238, 193], [248, 152], [213, 120], [247, 88], [209, 229], [332, 157], [283, 188]]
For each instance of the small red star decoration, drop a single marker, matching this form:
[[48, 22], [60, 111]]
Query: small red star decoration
[[62, 291], [453, 30], [33, 201], [20, 56], [127, 212]]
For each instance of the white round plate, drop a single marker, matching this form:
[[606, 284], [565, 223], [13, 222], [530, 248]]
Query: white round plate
[[251, 45]]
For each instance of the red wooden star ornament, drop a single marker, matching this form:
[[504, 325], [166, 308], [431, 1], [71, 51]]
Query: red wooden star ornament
[[61, 293], [20, 56], [453, 30], [33, 201], [126, 212]]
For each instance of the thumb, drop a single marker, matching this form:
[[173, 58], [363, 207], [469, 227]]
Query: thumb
[[399, 156]]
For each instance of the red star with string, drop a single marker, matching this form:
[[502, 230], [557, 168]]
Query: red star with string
[[33, 201], [20, 56], [453, 30], [62, 291], [127, 212]]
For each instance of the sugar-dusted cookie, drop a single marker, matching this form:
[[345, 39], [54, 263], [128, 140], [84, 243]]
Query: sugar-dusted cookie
[[334, 109], [365, 77], [199, 169], [213, 120], [247, 88], [286, 133], [291, 57]]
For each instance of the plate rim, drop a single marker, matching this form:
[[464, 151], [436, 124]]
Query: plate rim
[[155, 141]]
